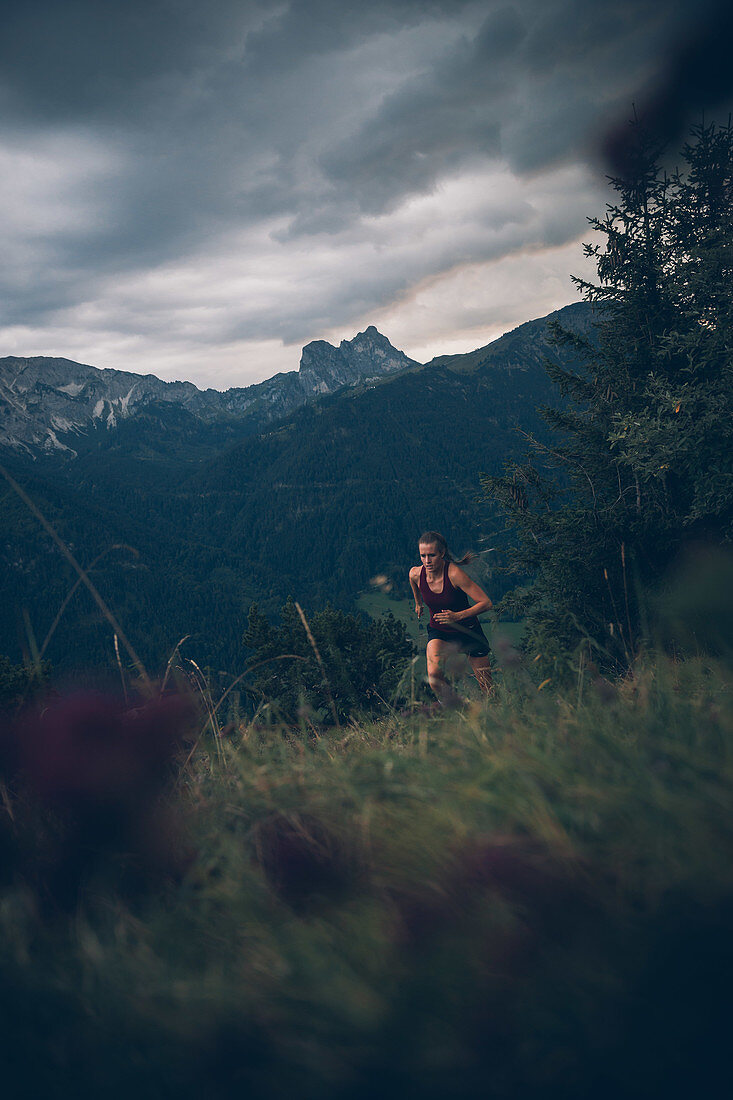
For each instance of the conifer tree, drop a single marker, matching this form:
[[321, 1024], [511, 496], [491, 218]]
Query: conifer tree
[[341, 665], [642, 463]]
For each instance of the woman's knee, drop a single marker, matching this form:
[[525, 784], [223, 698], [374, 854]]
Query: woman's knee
[[432, 655], [435, 674]]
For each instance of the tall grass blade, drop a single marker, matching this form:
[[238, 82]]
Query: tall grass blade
[[122, 671], [626, 591], [74, 588], [82, 574], [205, 693], [314, 647], [32, 644], [622, 635], [171, 659]]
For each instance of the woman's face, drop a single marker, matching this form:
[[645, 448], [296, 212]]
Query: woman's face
[[430, 556]]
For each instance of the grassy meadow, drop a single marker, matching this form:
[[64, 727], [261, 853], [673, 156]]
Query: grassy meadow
[[532, 897]]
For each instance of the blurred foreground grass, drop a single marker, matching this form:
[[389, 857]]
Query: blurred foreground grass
[[532, 898]]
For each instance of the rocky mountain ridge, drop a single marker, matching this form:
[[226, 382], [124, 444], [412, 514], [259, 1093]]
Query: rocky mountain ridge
[[48, 404]]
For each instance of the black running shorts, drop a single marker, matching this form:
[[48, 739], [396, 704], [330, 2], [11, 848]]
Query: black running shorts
[[470, 640]]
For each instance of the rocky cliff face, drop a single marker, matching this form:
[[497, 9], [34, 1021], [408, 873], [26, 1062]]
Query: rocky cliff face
[[324, 368], [47, 404]]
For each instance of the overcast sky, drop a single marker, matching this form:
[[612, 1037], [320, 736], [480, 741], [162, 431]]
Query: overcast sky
[[197, 189]]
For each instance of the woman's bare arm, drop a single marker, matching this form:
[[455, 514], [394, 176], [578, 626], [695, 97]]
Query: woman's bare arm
[[415, 586]]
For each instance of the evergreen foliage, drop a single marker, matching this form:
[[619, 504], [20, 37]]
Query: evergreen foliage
[[642, 462], [348, 665], [19, 683]]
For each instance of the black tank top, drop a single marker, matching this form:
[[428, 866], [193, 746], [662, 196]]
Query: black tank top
[[449, 598]]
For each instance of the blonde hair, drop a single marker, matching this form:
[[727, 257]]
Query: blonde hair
[[435, 538]]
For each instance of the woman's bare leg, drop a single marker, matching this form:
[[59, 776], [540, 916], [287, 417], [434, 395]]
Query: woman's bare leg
[[436, 651], [482, 672]]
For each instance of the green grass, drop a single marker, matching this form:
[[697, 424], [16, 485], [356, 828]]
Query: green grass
[[531, 898]]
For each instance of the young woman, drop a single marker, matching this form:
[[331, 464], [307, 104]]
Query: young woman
[[454, 627]]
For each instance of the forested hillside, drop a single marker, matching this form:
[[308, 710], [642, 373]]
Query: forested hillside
[[312, 508]]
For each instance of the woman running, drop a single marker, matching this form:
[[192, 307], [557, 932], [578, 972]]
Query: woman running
[[454, 627]]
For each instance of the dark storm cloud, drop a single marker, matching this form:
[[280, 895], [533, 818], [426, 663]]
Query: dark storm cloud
[[101, 59], [532, 84], [209, 105], [696, 75], [434, 124], [179, 137]]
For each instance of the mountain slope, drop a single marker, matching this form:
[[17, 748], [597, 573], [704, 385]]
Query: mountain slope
[[364, 472], [312, 507], [525, 346]]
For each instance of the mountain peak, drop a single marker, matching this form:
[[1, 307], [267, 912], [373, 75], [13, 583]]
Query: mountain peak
[[371, 332], [324, 368]]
